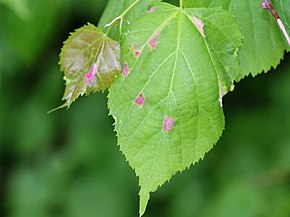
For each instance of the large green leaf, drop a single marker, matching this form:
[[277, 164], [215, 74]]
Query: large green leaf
[[90, 62], [177, 65], [115, 8], [263, 44]]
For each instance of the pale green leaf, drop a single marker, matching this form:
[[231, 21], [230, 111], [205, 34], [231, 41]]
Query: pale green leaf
[[115, 8], [263, 44], [177, 65], [90, 62]]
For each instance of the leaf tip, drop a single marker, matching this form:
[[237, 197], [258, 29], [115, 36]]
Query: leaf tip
[[144, 198], [58, 108]]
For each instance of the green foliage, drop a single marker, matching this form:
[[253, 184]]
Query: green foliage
[[116, 7], [67, 164], [19, 7], [182, 73], [263, 44], [35, 33], [90, 62], [178, 64]]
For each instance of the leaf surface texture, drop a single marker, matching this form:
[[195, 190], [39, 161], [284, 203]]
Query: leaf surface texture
[[90, 62], [263, 43], [177, 65]]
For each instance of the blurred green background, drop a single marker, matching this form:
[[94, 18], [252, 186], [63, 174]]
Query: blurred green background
[[67, 164]]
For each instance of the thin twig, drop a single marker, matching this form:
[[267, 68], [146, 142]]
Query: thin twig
[[113, 21], [266, 4]]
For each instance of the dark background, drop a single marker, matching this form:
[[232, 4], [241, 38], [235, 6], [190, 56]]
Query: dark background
[[67, 164]]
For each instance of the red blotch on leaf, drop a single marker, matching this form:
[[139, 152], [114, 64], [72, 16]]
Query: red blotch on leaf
[[168, 123], [125, 70], [137, 53], [152, 10], [154, 40], [136, 49], [264, 5], [140, 100], [90, 76]]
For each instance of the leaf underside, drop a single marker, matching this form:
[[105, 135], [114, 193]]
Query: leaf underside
[[167, 104], [90, 62], [263, 43]]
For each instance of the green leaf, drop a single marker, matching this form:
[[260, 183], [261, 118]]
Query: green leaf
[[263, 44], [90, 62], [167, 102], [115, 8], [206, 3]]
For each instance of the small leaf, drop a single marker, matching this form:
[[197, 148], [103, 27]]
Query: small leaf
[[263, 44], [90, 62], [167, 109]]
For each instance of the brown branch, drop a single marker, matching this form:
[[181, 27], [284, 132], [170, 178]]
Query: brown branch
[[266, 4]]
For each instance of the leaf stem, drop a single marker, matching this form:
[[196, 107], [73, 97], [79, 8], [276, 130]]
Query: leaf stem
[[181, 3], [121, 17], [266, 4]]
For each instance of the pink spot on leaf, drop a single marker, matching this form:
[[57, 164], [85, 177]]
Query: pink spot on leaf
[[168, 123], [154, 40], [137, 53], [136, 49], [198, 23], [140, 100], [264, 5], [90, 76], [125, 70], [152, 10]]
